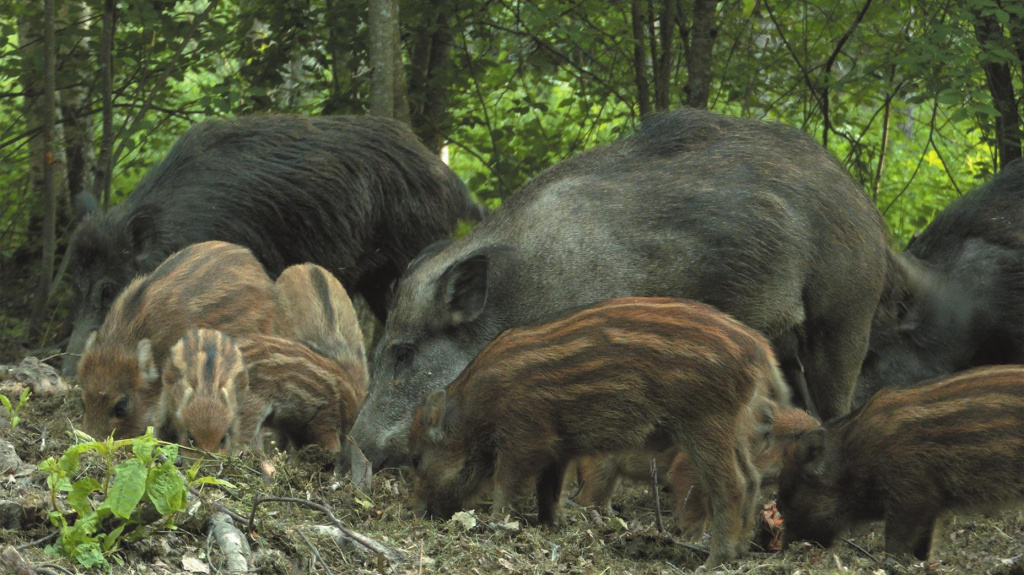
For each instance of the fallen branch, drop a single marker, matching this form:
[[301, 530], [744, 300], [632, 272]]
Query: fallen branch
[[45, 539], [231, 542], [392, 555], [12, 562]]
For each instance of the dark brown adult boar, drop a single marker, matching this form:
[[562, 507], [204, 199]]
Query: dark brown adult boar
[[628, 374], [955, 298], [317, 312], [909, 456], [753, 218], [220, 394], [360, 196], [211, 284]]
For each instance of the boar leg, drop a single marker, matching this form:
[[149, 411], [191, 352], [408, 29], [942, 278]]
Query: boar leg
[[909, 534], [511, 481], [752, 483], [549, 492], [719, 474], [600, 477], [835, 352]]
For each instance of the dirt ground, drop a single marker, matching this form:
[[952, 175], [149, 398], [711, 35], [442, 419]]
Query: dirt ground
[[285, 539]]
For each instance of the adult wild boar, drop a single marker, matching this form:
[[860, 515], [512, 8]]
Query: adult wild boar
[[955, 299], [359, 196], [753, 218]]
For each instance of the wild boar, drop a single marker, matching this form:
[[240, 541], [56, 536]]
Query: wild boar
[[317, 312], [600, 476], [640, 374], [212, 284], [360, 196], [754, 218], [302, 395], [955, 298], [909, 456]]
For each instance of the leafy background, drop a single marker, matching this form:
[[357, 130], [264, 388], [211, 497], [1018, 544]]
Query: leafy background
[[506, 88]]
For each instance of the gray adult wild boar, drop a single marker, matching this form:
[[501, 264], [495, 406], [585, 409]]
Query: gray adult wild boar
[[751, 217], [955, 299], [360, 196]]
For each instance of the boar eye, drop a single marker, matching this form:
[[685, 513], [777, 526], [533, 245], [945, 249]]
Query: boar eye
[[107, 294], [223, 442], [415, 461], [403, 354], [121, 408]]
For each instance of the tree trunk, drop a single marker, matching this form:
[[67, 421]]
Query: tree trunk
[[387, 80], [101, 185], [431, 75], [663, 71], [643, 91], [49, 192], [78, 73], [698, 56], [1000, 85]]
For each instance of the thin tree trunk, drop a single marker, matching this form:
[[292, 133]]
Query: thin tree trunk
[[663, 71], [1000, 85], [881, 151], [643, 91], [78, 67], [387, 81], [49, 191], [698, 56], [431, 74], [101, 185]]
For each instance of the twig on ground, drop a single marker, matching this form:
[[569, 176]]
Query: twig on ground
[[40, 541], [316, 553], [657, 496], [859, 548], [392, 555], [54, 568], [232, 543], [696, 549], [218, 506]]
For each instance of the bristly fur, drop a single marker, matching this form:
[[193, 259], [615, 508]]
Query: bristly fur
[[212, 284], [909, 456], [360, 196], [626, 374], [317, 312]]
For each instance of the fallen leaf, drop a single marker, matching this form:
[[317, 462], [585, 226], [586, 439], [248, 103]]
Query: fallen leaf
[[193, 565], [466, 519]]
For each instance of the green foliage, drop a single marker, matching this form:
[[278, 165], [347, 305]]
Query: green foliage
[[13, 409], [139, 479]]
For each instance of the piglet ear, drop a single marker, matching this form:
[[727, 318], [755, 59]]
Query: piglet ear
[[147, 367], [809, 450], [433, 414]]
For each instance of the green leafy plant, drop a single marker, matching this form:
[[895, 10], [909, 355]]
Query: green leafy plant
[[12, 410], [142, 491]]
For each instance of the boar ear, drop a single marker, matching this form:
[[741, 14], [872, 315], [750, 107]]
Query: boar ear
[[810, 450], [464, 288], [142, 232], [433, 414], [91, 341], [84, 204], [147, 367]]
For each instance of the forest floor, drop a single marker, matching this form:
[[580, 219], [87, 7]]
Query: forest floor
[[285, 537]]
